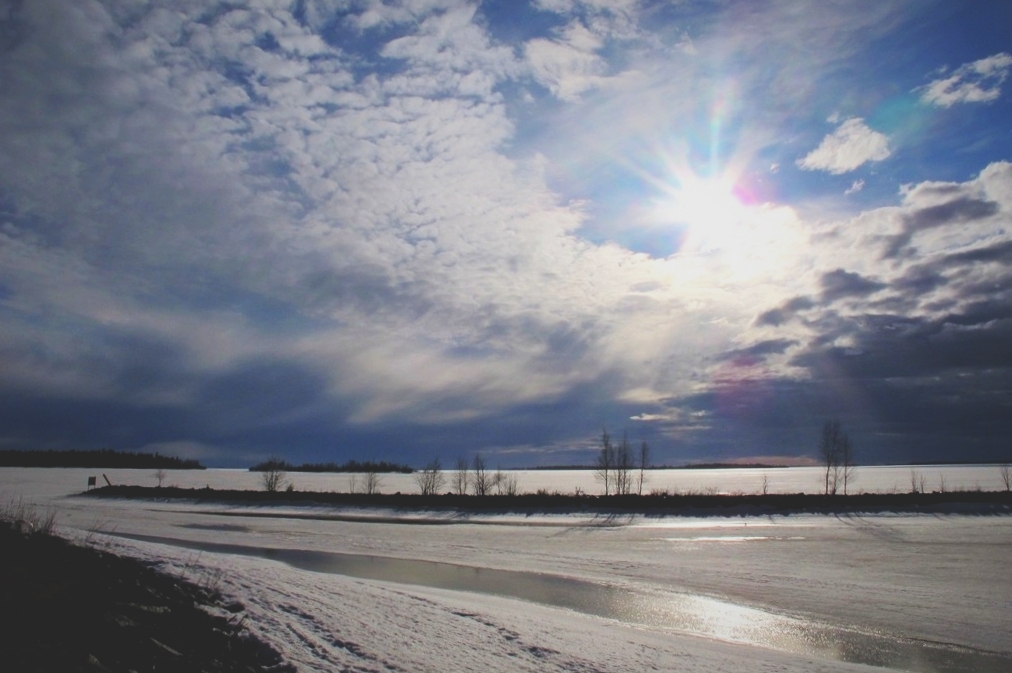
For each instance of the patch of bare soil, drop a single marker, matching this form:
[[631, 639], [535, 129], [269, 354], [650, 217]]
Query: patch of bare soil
[[72, 608]]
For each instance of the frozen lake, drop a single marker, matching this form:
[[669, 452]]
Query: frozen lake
[[563, 593], [871, 479]]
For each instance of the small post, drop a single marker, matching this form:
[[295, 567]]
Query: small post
[[107, 482]]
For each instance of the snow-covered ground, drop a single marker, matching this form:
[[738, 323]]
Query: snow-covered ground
[[798, 593], [869, 479]]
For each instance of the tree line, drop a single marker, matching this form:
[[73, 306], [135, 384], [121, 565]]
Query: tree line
[[380, 467], [95, 458]]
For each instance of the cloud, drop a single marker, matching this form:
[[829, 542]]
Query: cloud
[[759, 350], [850, 146], [855, 187], [976, 82], [783, 313], [239, 229], [960, 208], [840, 283], [569, 65]]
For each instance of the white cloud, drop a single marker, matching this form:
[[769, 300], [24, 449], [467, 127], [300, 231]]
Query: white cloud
[[855, 187], [186, 195], [847, 148], [568, 66], [976, 82]]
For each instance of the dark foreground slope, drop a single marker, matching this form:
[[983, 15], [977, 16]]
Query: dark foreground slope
[[949, 502], [71, 608]]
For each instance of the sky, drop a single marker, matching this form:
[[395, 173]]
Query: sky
[[349, 229]]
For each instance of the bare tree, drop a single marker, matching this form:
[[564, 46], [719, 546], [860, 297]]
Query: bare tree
[[460, 476], [764, 483], [846, 461], [481, 480], [830, 448], [605, 461], [430, 478], [274, 476], [644, 460], [623, 466], [371, 482], [918, 482], [506, 483], [160, 475], [1005, 470]]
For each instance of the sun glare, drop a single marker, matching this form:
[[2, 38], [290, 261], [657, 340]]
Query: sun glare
[[722, 224], [709, 209]]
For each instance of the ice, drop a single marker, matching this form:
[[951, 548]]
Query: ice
[[906, 579]]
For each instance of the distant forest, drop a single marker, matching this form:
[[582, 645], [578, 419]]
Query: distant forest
[[689, 466], [99, 458], [350, 466]]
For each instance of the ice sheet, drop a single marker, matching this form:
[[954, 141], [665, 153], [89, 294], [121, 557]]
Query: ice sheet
[[931, 578]]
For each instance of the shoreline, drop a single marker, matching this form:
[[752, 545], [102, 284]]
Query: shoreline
[[86, 609], [948, 502]]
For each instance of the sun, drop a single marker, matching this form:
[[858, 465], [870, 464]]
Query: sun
[[724, 229], [711, 211]]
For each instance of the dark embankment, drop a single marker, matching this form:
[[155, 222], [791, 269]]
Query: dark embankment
[[71, 608], [971, 502]]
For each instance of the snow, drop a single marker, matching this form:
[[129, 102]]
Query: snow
[[933, 584], [869, 479]]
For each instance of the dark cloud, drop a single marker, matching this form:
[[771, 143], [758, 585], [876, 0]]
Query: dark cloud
[[839, 283], [918, 280], [259, 393], [964, 209], [961, 210], [760, 350], [784, 313], [999, 252]]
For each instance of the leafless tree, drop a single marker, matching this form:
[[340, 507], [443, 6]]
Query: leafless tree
[[764, 483], [430, 478], [623, 466], [605, 461], [918, 482], [371, 482], [1005, 470], [830, 449], [644, 461], [460, 476], [160, 475], [274, 476], [846, 461], [506, 483], [481, 480]]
